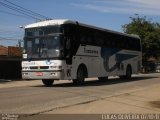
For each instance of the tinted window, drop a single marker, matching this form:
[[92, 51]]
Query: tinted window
[[91, 36]]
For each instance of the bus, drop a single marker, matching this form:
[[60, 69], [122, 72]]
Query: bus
[[70, 50]]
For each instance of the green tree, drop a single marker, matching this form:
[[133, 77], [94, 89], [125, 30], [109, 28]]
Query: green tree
[[148, 31]]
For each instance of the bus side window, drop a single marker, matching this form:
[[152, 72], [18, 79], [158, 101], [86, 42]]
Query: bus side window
[[99, 38], [107, 40], [137, 45], [131, 44]]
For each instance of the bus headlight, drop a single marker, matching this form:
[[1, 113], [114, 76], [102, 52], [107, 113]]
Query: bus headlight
[[56, 67], [25, 68]]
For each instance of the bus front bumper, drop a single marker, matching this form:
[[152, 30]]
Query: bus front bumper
[[56, 75]]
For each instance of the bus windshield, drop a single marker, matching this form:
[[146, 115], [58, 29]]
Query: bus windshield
[[43, 46]]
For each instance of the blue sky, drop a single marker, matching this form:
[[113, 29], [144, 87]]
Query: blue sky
[[110, 14]]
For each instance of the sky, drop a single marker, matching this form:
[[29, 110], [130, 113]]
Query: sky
[[109, 14]]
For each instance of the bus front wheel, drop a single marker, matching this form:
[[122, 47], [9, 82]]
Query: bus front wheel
[[48, 82], [81, 75]]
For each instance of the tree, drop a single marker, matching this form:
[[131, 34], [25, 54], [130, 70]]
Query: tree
[[148, 31]]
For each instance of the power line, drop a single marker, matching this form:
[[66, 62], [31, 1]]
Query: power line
[[9, 13], [3, 38], [27, 10], [13, 33], [8, 30], [2, 31], [18, 10]]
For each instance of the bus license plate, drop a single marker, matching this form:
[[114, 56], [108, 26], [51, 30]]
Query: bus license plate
[[39, 74]]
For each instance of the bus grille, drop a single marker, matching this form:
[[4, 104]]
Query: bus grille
[[39, 67]]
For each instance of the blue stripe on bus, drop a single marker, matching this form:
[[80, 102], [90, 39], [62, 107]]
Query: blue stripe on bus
[[106, 53]]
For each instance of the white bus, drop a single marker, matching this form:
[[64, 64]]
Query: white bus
[[69, 50]]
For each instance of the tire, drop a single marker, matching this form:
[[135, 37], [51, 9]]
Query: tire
[[106, 63], [81, 75], [48, 82], [128, 73], [102, 79]]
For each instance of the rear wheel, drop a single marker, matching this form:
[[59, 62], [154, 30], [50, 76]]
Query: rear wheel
[[128, 73], [47, 82], [81, 75], [102, 79]]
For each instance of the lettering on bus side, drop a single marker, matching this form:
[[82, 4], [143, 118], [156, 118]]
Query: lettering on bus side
[[91, 51]]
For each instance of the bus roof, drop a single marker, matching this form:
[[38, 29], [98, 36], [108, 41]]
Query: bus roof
[[49, 23], [65, 21]]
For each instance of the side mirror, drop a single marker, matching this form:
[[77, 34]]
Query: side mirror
[[68, 44]]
